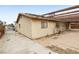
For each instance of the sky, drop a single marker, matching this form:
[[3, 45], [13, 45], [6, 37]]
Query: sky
[[9, 13]]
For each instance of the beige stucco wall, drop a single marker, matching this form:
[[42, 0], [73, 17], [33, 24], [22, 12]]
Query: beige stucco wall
[[25, 26], [62, 26], [51, 27], [32, 28], [38, 32]]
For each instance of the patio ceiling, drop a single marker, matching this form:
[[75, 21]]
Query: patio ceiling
[[71, 16]]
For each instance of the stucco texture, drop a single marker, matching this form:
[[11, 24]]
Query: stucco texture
[[32, 27]]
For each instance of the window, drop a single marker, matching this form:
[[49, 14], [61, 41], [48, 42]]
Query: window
[[44, 24]]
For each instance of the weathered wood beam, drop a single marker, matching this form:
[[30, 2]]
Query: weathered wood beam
[[68, 16], [67, 13], [70, 8]]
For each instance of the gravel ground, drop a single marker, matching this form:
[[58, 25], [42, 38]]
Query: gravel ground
[[13, 42]]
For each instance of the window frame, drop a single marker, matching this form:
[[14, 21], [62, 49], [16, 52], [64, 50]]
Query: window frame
[[44, 24]]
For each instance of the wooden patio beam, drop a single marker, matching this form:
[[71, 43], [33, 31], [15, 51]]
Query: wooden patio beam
[[70, 8], [67, 13]]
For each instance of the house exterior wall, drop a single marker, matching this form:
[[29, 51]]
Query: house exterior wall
[[38, 32], [25, 26], [62, 26], [32, 27], [51, 27]]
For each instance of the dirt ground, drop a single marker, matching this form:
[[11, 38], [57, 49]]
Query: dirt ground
[[13, 42], [66, 42]]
